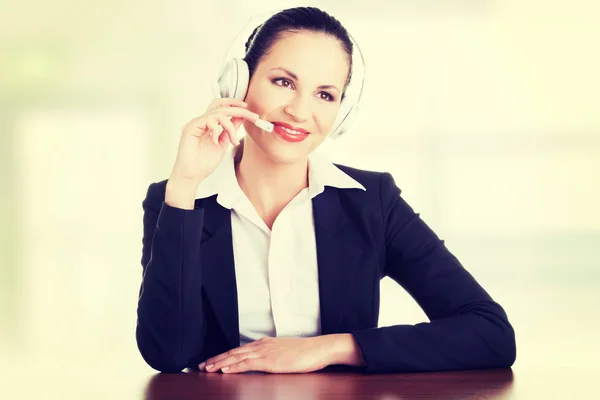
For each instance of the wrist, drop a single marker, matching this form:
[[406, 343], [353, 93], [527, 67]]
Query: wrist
[[342, 349], [181, 193]]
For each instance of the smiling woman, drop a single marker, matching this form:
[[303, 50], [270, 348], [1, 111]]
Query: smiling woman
[[289, 82], [299, 65], [269, 257]]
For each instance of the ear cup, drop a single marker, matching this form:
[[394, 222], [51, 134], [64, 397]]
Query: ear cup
[[345, 122], [234, 79]]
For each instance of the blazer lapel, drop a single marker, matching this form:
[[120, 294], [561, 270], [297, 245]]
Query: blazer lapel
[[338, 253], [218, 267]]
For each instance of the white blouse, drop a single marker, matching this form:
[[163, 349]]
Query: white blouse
[[276, 270]]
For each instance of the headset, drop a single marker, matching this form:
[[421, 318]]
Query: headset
[[234, 79]]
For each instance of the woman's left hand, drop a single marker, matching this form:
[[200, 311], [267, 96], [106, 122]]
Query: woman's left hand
[[273, 354]]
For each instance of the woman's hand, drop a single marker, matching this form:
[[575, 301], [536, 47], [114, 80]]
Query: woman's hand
[[204, 140], [202, 146], [275, 355]]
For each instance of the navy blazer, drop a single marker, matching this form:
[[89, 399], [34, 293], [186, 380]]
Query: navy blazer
[[187, 308]]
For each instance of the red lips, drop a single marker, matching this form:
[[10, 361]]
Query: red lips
[[292, 127], [279, 128]]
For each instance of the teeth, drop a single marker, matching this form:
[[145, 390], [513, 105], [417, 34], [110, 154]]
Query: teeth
[[291, 131]]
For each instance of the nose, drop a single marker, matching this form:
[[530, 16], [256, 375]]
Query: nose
[[299, 108]]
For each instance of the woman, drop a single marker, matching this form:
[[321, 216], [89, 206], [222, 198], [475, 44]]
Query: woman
[[269, 257]]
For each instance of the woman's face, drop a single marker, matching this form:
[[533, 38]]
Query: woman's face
[[298, 83]]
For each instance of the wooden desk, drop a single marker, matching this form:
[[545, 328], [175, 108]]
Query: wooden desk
[[489, 384]]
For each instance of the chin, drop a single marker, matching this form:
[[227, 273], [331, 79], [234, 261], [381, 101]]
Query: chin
[[285, 158], [282, 153]]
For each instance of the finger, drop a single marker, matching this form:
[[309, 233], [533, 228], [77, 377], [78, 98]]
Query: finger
[[212, 123], [222, 356], [234, 359], [222, 102], [237, 112], [249, 364], [201, 122], [230, 128], [219, 102]]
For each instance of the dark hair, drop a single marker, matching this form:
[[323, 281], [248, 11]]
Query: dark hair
[[290, 20]]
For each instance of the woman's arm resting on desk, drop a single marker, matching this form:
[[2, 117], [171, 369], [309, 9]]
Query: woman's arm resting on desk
[[468, 330], [170, 325]]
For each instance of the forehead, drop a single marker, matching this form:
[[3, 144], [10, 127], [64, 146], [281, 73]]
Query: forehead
[[313, 56]]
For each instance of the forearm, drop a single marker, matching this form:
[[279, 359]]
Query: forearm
[[474, 340]]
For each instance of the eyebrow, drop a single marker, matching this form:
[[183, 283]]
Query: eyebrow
[[290, 73]]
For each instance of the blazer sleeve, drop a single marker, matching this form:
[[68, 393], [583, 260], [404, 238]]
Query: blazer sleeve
[[170, 323], [467, 329]]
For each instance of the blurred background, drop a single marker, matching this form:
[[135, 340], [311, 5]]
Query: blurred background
[[486, 112]]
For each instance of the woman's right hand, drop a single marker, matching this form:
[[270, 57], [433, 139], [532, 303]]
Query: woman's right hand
[[202, 146], [205, 139]]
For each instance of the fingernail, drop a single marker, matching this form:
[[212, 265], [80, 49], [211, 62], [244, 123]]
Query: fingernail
[[210, 366], [225, 369], [201, 366]]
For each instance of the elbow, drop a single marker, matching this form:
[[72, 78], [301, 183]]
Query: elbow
[[507, 348], [500, 338], [165, 365], [156, 356]]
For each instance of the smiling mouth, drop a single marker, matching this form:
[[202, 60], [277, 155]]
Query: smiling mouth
[[289, 135], [290, 129]]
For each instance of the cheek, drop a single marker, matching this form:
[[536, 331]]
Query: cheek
[[327, 117], [260, 99]]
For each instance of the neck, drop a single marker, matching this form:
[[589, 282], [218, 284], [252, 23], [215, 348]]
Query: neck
[[269, 185]]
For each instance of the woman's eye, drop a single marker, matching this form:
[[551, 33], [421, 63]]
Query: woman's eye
[[285, 82], [327, 97]]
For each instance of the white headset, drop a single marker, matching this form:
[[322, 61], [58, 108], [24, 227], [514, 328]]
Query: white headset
[[235, 77]]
